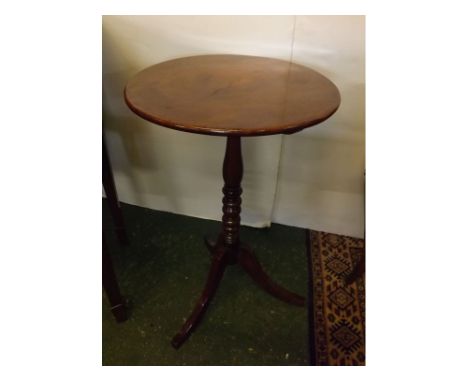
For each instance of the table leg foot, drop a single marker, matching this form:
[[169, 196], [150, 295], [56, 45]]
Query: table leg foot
[[251, 265], [215, 275], [120, 312]]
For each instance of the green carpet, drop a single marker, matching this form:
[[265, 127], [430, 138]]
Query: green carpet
[[163, 271]]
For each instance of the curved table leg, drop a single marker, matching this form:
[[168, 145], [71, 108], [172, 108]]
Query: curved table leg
[[215, 275], [250, 264]]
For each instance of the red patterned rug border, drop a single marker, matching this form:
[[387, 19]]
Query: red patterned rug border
[[336, 309]]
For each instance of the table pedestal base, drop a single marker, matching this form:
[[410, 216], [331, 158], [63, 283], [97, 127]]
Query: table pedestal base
[[228, 249], [223, 256]]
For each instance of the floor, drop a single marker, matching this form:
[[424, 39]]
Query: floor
[[163, 271]]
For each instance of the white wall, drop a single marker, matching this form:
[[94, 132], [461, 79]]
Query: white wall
[[321, 177], [311, 179]]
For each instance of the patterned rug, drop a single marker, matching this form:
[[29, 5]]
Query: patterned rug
[[336, 301]]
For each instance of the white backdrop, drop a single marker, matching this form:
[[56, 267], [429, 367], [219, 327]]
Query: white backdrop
[[310, 179]]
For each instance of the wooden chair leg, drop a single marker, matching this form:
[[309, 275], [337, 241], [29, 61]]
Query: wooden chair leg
[[111, 287], [111, 193], [357, 272]]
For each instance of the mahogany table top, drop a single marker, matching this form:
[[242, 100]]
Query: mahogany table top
[[232, 95]]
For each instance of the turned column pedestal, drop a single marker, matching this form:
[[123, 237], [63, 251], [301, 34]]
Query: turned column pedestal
[[228, 249]]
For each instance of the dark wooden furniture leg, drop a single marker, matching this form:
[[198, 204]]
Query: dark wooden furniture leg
[[111, 287], [357, 272], [250, 264], [111, 193], [218, 266], [228, 248]]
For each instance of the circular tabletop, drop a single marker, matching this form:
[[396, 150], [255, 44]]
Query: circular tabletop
[[232, 95]]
